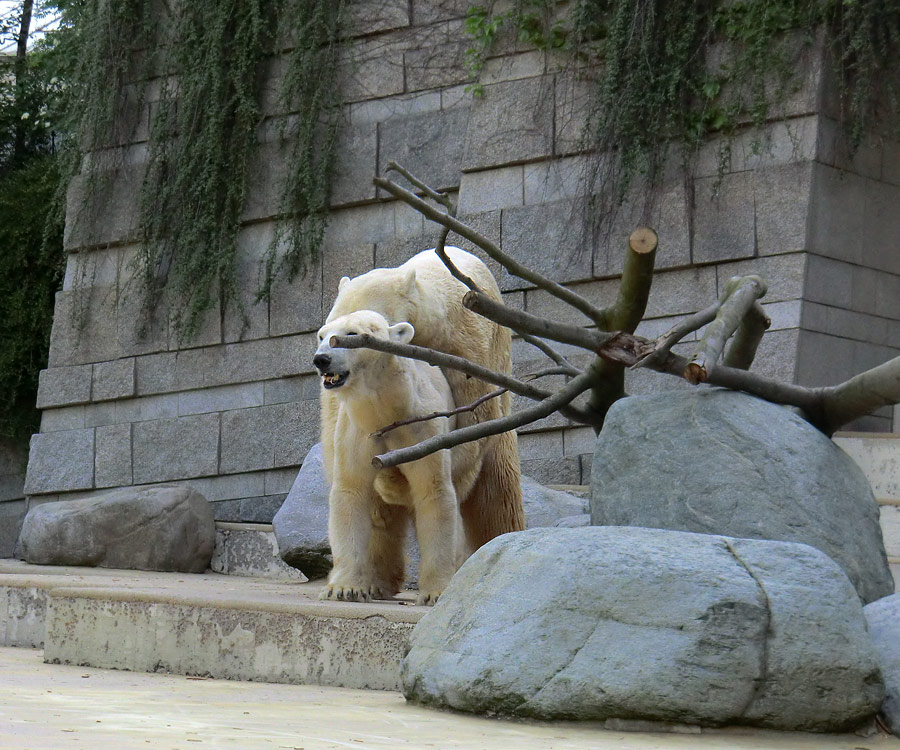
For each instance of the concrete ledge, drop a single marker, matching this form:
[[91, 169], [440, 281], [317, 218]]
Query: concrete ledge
[[207, 625]]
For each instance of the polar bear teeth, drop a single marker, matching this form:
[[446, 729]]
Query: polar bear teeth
[[331, 379]]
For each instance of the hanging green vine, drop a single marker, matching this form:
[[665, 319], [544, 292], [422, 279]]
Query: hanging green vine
[[310, 92], [204, 135], [658, 84]]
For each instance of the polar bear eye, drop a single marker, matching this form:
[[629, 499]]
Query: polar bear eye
[[351, 333]]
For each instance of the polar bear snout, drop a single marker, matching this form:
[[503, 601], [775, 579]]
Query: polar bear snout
[[332, 368]]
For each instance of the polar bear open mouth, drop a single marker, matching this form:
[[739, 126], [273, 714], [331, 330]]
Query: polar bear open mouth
[[333, 379]]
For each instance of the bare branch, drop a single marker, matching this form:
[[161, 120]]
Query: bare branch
[[624, 315], [742, 349], [435, 415], [451, 439], [550, 352], [740, 294], [625, 349], [435, 195], [523, 322], [663, 345], [492, 249], [861, 395], [452, 362]]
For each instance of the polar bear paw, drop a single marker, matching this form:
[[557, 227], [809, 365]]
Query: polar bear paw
[[341, 593], [350, 593], [427, 598]]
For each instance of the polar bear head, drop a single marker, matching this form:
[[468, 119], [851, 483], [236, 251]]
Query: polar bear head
[[338, 366]]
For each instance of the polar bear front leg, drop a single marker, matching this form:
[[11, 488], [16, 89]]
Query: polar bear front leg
[[350, 530], [438, 524]]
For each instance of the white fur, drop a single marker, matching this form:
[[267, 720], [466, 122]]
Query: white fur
[[370, 509]]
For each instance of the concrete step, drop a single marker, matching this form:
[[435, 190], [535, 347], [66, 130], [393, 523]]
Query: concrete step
[[208, 625], [878, 455]]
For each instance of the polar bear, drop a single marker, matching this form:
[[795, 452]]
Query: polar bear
[[424, 293], [369, 509]]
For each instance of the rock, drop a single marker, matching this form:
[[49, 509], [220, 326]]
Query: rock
[[301, 523], [720, 462], [574, 522], [249, 549], [648, 625], [544, 507], [165, 527], [883, 617]]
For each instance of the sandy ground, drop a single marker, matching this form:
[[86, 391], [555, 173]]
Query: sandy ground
[[52, 707]]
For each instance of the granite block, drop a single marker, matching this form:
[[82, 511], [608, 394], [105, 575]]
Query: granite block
[[64, 386], [547, 238], [65, 418], [491, 189], [723, 218], [180, 448], [512, 122], [113, 380], [429, 145], [222, 398], [112, 458], [60, 462]]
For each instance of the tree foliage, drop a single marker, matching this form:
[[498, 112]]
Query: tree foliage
[[31, 259]]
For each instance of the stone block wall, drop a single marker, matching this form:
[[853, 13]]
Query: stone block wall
[[234, 411]]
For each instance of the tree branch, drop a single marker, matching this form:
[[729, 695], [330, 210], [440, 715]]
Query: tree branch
[[740, 294], [451, 439], [742, 349], [452, 362], [663, 345], [435, 415], [435, 195], [492, 249], [861, 395], [519, 321], [624, 315]]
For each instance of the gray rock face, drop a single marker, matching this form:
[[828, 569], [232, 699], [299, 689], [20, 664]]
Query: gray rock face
[[720, 462], [651, 625], [883, 617], [301, 523], [545, 507], [167, 527]]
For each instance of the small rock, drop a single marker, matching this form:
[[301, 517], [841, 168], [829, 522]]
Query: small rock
[[883, 617], [545, 507], [165, 527], [643, 624], [248, 550]]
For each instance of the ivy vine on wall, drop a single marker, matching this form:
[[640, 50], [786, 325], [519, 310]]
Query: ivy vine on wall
[[672, 72], [209, 64]]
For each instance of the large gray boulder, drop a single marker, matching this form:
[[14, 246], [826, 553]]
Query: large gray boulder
[[301, 523], [628, 623], [720, 462], [166, 527], [883, 617]]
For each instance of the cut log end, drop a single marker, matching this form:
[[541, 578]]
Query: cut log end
[[377, 462], [643, 240], [695, 373]]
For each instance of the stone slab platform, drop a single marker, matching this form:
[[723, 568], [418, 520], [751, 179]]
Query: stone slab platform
[[207, 625], [49, 707]]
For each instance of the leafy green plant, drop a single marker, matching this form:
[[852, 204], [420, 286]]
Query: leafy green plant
[[208, 61]]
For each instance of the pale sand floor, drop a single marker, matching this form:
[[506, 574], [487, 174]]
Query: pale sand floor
[[52, 707]]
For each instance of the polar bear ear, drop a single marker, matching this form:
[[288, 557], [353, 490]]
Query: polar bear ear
[[343, 282], [402, 333], [409, 281]]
